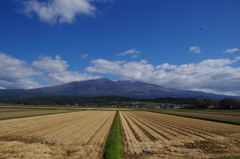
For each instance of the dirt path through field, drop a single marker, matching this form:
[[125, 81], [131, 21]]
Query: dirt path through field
[[152, 135], [69, 135]]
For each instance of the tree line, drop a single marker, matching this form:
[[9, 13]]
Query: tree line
[[226, 103], [193, 103]]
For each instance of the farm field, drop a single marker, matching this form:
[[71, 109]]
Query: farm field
[[223, 112], [14, 113], [205, 111], [13, 110], [69, 135], [115, 109], [214, 115], [153, 135]]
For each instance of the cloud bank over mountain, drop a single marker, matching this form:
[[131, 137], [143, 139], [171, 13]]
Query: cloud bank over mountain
[[211, 75]]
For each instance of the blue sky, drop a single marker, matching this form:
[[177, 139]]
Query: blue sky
[[187, 44]]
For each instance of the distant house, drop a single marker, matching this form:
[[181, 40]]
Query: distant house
[[178, 107], [213, 107]]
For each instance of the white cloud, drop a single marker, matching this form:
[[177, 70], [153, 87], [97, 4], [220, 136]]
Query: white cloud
[[212, 75], [135, 56], [84, 56], [51, 65], [166, 66], [15, 73], [104, 66], [231, 50], [62, 11], [129, 70], [57, 71], [131, 51], [67, 76], [194, 49]]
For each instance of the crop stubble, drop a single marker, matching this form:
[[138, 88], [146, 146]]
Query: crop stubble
[[70, 135], [230, 117], [152, 135], [15, 113]]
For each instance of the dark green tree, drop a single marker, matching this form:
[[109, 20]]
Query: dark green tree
[[203, 104], [228, 103], [209, 102], [199, 103]]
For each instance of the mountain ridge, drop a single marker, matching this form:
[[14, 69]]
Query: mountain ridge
[[135, 89], [106, 87]]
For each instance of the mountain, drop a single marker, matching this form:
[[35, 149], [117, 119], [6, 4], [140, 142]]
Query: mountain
[[106, 87], [97, 87]]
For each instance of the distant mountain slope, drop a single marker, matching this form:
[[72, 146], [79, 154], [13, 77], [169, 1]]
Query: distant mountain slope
[[106, 87], [98, 87]]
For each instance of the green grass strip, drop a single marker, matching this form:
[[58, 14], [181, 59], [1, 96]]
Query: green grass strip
[[114, 143], [202, 118]]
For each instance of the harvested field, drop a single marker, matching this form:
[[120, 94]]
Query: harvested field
[[13, 110], [152, 135], [115, 109], [207, 115], [13, 113], [219, 112], [68, 135]]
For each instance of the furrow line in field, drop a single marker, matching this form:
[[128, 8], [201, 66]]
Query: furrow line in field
[[177, 130], [134, 129], [21, 125], [160, 128], [130, 141], [48, 129], [187, 138], [88, 135], [195, 125], [43, 129], [147, 130], [127, 133], [102, 132], [165, 133], [143, 135], [64, 143], [67, 132]]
